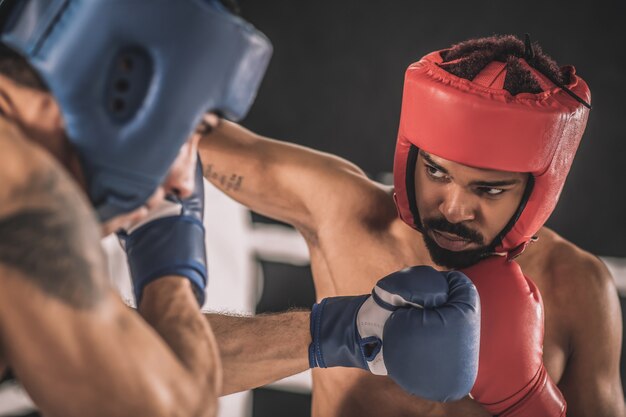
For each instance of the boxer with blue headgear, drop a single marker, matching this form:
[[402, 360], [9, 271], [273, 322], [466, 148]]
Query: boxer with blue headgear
[[120, 89], [116, 100], [117, 96]]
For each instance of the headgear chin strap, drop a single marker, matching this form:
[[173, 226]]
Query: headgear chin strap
[[134, 78], [479, 124]]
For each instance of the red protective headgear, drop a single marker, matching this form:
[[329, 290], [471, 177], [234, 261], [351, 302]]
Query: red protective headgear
[[479, 124]]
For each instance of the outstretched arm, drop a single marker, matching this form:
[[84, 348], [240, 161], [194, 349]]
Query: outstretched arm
[[64, 331], [258, 350], [369, 332], [284, 181]]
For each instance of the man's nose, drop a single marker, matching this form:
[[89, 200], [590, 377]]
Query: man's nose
[[181, 178], [180, 183], [182, 187], [458, 205]]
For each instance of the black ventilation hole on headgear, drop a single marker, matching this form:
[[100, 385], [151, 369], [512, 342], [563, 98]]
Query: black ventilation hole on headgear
[[130, 76], [118, 105], [122, 85], [126, 63]]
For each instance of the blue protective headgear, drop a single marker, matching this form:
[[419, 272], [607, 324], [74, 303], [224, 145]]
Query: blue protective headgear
[[133, 79]]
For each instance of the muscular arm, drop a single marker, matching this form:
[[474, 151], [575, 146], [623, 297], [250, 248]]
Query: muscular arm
[[288, 182], [591, 381], [63, 331], [261, 349]]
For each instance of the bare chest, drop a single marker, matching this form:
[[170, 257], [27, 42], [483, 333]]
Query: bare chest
[[344, 392], [351, 265]]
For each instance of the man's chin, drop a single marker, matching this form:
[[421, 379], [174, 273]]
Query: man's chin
[[455, 259]]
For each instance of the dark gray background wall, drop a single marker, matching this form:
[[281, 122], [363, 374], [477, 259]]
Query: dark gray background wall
[[335, 84]]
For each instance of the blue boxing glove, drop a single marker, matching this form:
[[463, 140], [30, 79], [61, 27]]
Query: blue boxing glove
[[170, 242], [419, 326]]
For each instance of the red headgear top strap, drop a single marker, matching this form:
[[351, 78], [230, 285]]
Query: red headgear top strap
[[477, 123]]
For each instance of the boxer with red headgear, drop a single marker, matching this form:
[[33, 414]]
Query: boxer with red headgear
[[488, 132], [480, 124]]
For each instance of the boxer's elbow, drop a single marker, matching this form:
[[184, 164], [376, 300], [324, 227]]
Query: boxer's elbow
[[179, 398], [200, 395]]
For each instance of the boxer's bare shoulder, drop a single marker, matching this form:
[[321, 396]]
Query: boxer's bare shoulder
[[574, 284], [583, 324], [48, 236], [358, 204], [576, 287], [566, 273]]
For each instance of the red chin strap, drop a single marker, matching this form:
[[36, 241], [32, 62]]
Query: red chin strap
[[479, 124]]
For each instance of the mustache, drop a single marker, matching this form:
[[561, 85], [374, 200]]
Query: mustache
[[459, 229]]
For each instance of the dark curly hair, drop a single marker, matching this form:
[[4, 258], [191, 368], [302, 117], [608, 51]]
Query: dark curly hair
[[15, 67], [468, 58]]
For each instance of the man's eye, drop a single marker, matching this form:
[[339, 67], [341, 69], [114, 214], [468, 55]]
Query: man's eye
[[491, 191], [434, 172]]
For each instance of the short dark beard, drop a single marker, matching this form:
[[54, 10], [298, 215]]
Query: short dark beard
[[454, 259]]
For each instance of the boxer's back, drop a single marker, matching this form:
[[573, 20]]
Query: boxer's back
[[64, 332]]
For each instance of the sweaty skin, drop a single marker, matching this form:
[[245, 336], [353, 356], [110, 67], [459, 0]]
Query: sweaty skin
[[355, 237], [64, 331]]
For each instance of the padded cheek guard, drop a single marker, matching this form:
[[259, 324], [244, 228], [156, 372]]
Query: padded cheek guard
[[133, 79], [485, 127]]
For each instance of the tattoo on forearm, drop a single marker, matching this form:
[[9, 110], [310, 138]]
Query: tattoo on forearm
[[53, 241], [230, 182]]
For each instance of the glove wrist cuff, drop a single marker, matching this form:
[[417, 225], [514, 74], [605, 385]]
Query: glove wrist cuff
[[334, 338], [174, 246]]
